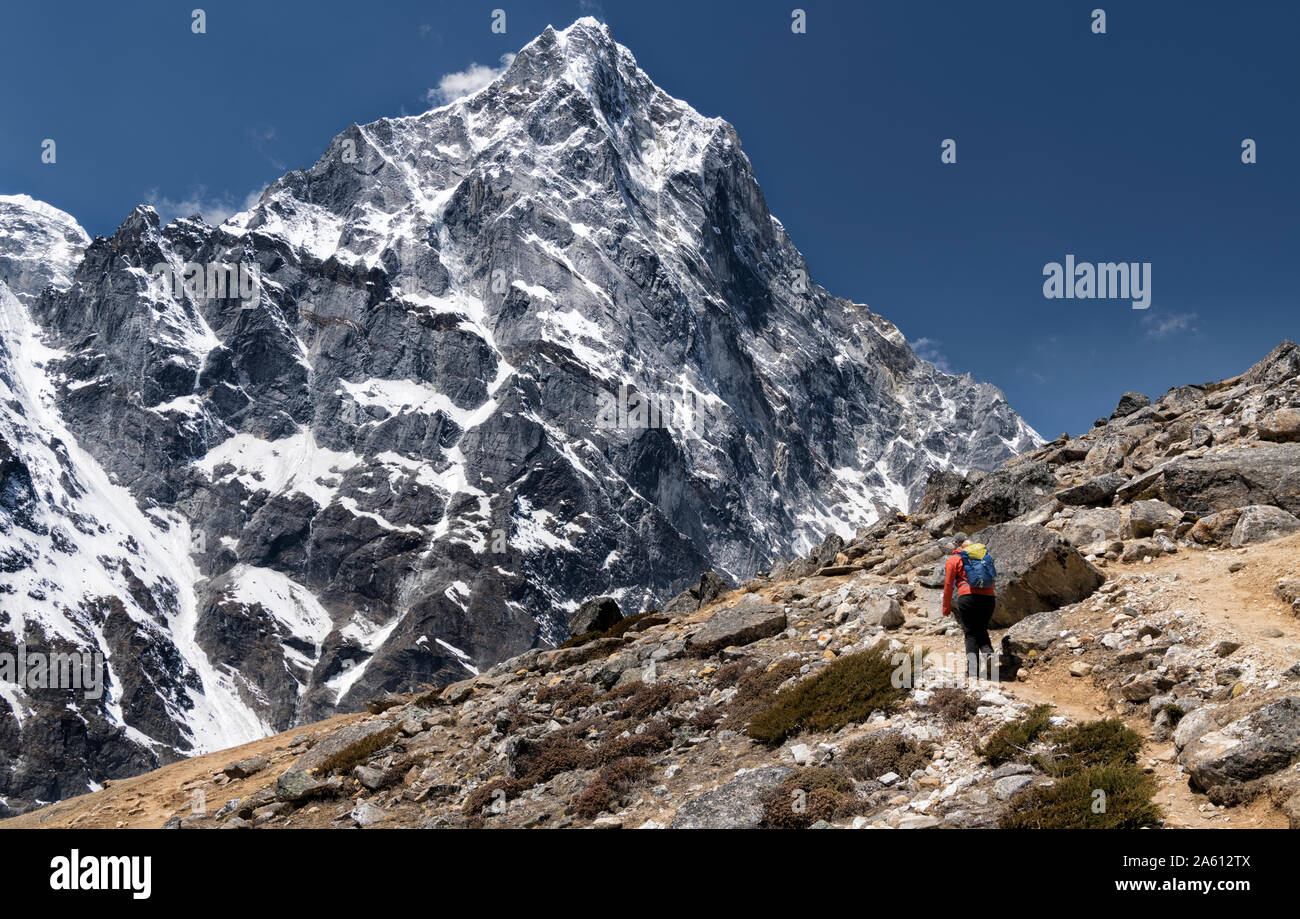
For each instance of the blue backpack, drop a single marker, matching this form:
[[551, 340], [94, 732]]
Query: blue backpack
[[978, 563]]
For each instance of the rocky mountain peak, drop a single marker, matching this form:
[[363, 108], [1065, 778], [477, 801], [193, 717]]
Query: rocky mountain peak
[[40, 246]]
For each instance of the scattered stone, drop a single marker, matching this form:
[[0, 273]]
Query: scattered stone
[[242, 769], [1007, 788]]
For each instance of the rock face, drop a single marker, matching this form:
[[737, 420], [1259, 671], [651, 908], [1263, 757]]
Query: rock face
[[1037, 570], [456, 399]]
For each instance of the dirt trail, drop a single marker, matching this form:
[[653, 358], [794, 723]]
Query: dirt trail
[[1238, 606]]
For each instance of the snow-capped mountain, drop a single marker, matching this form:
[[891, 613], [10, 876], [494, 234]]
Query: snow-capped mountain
[[418, 436], [40, 246]]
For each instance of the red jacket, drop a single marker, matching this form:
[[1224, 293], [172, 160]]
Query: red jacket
[[954, 574]]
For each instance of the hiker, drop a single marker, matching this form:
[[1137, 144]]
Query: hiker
[[969, 573]]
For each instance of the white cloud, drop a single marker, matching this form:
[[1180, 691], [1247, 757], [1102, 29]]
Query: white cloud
[[1159, 325], [927, 349], [215, 210], [465, 82]]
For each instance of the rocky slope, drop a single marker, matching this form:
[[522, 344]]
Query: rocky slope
[[1178, 620], [417, 440]]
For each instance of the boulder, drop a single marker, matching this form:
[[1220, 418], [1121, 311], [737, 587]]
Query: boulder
[[1073, 450], [1261, 743], [1094, 527], [594, 615], [243, 768], [1109, 452], [367, 814], [1129, 403], [826, 553], [1282, 426], [1216, 529], [1037, 570], [1034, 633], [1145, 517], [337, 741], [1194, 725], [1261, 523], [1263, 474], [1099, 490], [710, 587], [296, 785], [882, 611], [932, 577], [1005, 494], [1005, 789], [737, 805], [750, 620]]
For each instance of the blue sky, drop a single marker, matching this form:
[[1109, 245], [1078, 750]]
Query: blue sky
[[1117, 147]]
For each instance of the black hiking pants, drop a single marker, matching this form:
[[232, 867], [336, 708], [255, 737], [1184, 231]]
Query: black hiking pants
[[973, 612]]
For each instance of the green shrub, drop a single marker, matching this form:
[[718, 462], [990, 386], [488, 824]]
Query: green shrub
[[809, 795], [885, 751], [1012, 740], [356, 753], [1109, 797], [1093, 743], [756, 687], [846, 691]]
